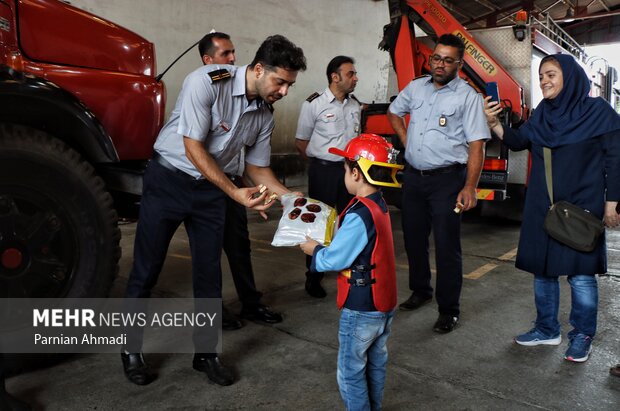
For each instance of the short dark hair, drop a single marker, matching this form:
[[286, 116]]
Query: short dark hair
[[206, 46], [334, 65], [278, 51], [452, 41], [377, 173]]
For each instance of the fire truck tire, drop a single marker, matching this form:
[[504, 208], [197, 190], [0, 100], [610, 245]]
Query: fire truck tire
[[59, 234]]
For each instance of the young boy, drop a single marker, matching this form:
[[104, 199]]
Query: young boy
[[363, 251]]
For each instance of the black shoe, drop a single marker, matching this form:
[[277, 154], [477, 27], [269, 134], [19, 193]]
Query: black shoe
[[10, 403], [314, 288], [262, 313], [414, 302], [229, 321], [445, 323], [136, 369], [215, 370]]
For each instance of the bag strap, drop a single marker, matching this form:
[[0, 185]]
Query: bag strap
[[548, 175]]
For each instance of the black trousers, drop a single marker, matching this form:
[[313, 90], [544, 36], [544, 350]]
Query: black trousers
[[326, 184], [428, 203], [170, 198], [237, 249]]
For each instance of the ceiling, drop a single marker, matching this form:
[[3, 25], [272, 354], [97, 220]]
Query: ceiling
[[587, 21]]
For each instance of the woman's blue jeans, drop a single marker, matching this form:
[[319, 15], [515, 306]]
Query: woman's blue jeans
[[362, 358], [584, 304]]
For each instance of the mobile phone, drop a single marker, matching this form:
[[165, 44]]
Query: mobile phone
[[493, 91]]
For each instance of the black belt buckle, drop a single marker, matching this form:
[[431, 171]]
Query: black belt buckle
[[426, 173]]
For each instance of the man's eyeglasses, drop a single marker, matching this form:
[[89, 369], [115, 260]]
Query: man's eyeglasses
[[436, 59]]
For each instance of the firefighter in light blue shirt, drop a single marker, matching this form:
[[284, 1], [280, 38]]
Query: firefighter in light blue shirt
[[221, 111], [444, 155], [212, 109], [217, 48]]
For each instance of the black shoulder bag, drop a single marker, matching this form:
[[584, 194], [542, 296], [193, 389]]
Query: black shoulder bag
[[567, 223]]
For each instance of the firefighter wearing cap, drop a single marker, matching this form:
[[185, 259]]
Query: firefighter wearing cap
[[328, 119], [363, 251]]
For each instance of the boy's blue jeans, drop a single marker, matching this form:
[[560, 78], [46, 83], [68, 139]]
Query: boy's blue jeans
[[362, 358], [584, 304]]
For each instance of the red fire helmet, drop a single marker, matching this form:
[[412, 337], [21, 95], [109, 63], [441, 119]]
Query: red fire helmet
[[371, 150]]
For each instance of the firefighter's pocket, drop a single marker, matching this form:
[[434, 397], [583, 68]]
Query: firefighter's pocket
[[445, 119], [416, 106], [331, 125], [416, 103]]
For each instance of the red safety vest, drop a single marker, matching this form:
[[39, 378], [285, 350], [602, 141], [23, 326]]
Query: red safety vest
[[384, 273]]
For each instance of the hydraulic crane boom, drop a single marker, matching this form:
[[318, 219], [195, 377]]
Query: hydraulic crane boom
[[410, 56]]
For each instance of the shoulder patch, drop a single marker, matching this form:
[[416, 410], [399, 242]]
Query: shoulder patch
[[218, 75], [312, 96]]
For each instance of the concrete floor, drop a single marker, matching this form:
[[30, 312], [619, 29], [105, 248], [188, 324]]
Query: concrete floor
[[292, 365]]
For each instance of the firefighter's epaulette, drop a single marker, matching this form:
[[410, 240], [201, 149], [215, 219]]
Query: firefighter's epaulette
[[355, 98], [218, 75], [312, 96], [270, 107]]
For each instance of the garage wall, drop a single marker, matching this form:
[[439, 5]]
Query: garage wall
[[323, 28]]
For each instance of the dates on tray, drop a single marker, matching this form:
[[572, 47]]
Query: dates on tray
[[300, 202], [315, 208], [294, 214], [308, 217]]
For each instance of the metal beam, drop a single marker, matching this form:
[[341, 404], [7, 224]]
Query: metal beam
[[604, 4], [450, 6], [487, 4], [589, 17], [507, 9]]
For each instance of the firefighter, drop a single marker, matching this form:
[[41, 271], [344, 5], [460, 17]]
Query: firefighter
[[217, 48], [444, 154], [328, 119], [219, 112]]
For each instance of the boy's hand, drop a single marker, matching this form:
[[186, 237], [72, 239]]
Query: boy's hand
[[309, 246]]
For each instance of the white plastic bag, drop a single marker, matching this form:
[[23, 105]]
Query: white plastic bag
[[301, 217]]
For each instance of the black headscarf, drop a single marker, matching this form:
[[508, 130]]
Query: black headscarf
[[572, 116]]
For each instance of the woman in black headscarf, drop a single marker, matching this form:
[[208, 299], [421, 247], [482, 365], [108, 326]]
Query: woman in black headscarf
[[584, 136]]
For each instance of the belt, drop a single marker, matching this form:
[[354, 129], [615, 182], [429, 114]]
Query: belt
[[435, 171], [165, 164], [237, 180], [326, 162]]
